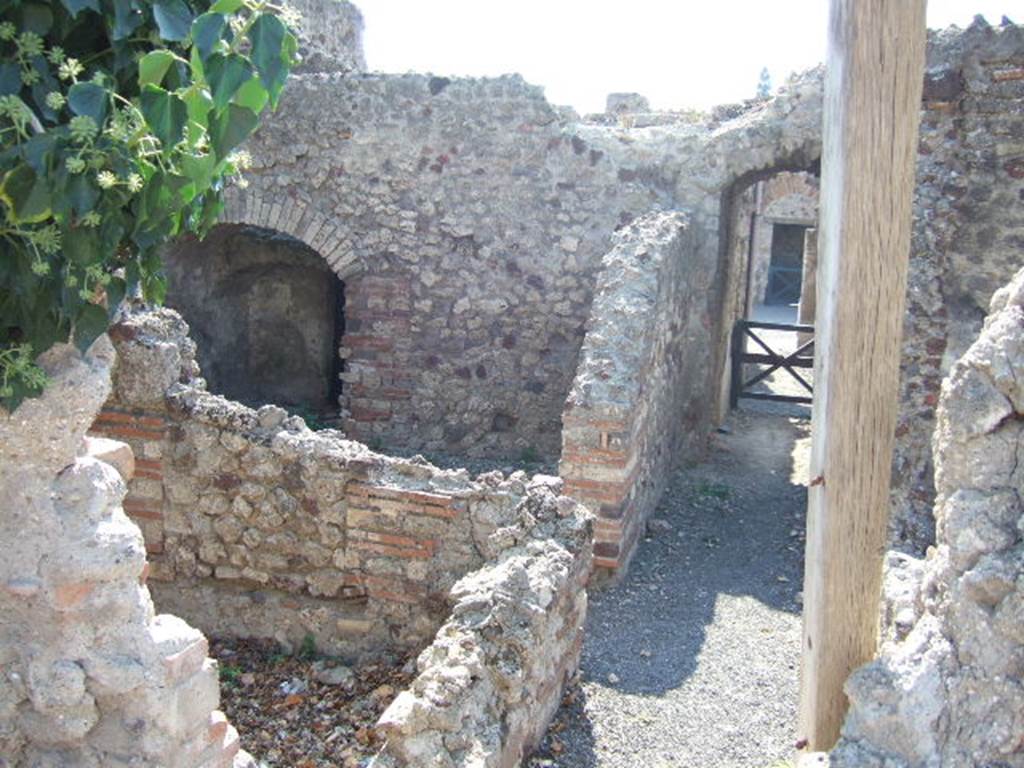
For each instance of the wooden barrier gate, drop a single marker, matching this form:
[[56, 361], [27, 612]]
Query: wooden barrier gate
[[803, 357]]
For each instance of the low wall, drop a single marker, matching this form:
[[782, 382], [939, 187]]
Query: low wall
[[89, 676], [493, 678], [257, 526], [640, 399], [950, 693]]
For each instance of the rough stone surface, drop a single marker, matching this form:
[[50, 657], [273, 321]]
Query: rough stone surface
[[330, 36], [257, 526], [950, 693], [493, 677], [638, 403], [89, 676], [468, 219], [967, 238]]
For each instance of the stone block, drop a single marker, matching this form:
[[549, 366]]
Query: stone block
[[119, 455]]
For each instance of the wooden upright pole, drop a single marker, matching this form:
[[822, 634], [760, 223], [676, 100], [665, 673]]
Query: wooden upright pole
[[874, 75]]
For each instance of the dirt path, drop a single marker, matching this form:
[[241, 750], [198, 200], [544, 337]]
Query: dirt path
[[693, 659]]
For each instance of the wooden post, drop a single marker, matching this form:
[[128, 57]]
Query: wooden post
[[874, 76], [808, 284]]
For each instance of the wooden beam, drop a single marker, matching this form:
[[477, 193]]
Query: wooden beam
[[874, 74]]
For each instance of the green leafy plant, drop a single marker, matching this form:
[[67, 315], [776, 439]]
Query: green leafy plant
[[713, 490], [529, 455], [308, 648], [229, 674], [120, 124]]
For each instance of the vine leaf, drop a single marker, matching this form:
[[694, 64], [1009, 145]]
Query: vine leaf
[[127, 18], [26, 195], [77, 6], [153, 66], [90, 323], [165, 113], [173, 19], [206, 33], [89, 99], [269, 53], [252, 95], [225, 74], [226, 6], [230, 128]]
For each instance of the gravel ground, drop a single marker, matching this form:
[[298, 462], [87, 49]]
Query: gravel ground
[[693, 659]]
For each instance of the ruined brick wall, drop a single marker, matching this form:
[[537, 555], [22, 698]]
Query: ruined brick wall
[[259, 527], [639, 400], [967, 237], [468, 219], [949, 692], [89, 676], [493, 678]]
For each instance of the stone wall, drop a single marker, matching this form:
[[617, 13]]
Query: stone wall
[[468, 219], [494, 676], [330, 36], [967, 237], [950, 692], [89, 676], [638, 403], [259, 527]]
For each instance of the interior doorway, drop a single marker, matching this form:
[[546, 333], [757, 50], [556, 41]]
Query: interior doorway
[[785, 270]]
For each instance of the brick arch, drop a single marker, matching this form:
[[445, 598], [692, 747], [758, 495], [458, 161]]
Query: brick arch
[[301, 221]]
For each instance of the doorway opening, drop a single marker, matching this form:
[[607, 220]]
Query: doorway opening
[[267, 313]]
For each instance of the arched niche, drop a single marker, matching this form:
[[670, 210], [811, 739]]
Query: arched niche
[[267, 313]]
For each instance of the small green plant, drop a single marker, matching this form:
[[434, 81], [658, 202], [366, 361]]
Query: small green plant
[[229, 674], [529, 455], [307, 650], [310, 416], [713, 490]]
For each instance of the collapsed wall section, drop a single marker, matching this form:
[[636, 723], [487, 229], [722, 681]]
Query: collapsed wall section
[[639, 402], [257, 526], [89, 676], [493, 678], [950, 692]]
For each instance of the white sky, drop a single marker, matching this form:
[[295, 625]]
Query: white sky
[[676, 52]]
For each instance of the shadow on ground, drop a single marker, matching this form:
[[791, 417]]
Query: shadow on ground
[[693, 658]]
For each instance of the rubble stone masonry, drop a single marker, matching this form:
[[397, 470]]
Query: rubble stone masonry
[[90, 677], [257, 526], [639, 399]]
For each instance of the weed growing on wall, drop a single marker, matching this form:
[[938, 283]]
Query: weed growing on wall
[[120, 123]]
